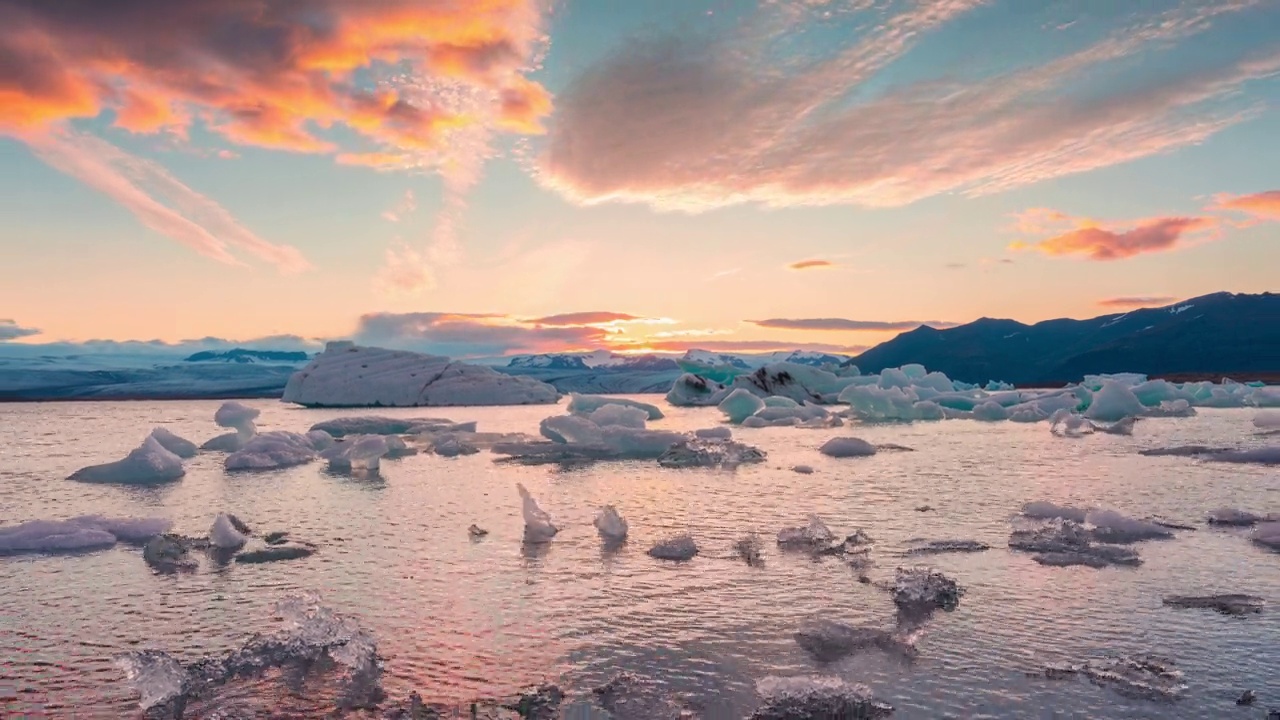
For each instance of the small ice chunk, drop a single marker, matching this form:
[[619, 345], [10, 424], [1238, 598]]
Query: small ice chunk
[[1144, 677], [1266, 396], [921, 588], [1230, 604], [639, 444], [320, 440], [1182, 451], [709, 453], [1232, 516], [226, 442], [679, 548], [1267, 534], [570, 429], [803, 469], [750, 549], [359, 452], [936, 547], [990, 411], [148, 464], [178, 446], [715, 433], [1065, 423], [755, 422], [157, 676], [801, 698], [1110, 526], [453, 446], [476, 531], [272, 450], [537, 523], [611, 526], [631, 697], [619, 415], [828, 640], [1262, 455], [235, 415], [742, 404], [843, 447], [1042, 510], [223, 534], [588, 404], [135, 531], [1124, 426], [816, 533]]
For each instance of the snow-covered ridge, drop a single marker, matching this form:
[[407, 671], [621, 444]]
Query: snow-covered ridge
[[347, 375]]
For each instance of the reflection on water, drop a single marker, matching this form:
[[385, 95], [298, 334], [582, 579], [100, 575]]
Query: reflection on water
[[461, 618]]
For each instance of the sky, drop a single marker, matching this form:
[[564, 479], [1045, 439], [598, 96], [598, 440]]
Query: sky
[[488, 177]]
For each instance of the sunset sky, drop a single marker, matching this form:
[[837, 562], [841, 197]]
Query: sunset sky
[[479, 177]]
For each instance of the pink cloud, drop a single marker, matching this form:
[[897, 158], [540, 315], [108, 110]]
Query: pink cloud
[[1262, 205], [598, 317], [660, 345], [1096, 242], [695, 125], [846, 325], [1137, 301]]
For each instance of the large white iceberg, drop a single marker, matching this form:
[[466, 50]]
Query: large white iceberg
[[347, 375], [148, 464], [272, 450], [571, 429], [1113, 402], [795, 381], [740, 405], [587, 404]]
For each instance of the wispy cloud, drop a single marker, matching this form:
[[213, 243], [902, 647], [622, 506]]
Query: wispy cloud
[[600, 318], [1099, 241], [748, 346], [843, 324], [1261, 206], [159, 200], [11, 330], [1137, 301], [689, 124], [403, 208], [815, 264], [464, 334]]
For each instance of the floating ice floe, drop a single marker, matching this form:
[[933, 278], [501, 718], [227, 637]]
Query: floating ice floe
[[798, 698], [611, 525], [309, 633], [844, 447], [1230, 604], [1109, 526], [320, 440], [619, 415], [828, 640], [375, 425], [679, 548], [181, 447], [272, 450], [587, 404], [1144, 677], [78, 534], [750, 549], [148, 464], [1060, 542], [571, 429], [1183, 451], [815, 534], [709, 453], [537, 523], [347, 375]]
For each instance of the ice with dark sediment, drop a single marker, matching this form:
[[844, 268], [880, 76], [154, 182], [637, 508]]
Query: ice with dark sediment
[[920, 589], [1183, 451], [938, 547], [538, 527], [78, 534], [845, 447], [628, 696], [309, 632], [828, 640], [1062, 542], [709, 453], [679, 548], [1043, 510], [808, 698], [1144, 677], [690, 390], [181, 447], [611, 525], [148, 464], [1227, 604], [1263, 456], [271, 451], [813, 534]]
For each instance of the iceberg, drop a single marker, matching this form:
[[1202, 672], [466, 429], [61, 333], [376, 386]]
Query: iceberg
[[586, 404], [1266, 397], [640, 444], [357, 453], [78, 534], [573, 429], [320, 440], [611, 526], [272, 450], [680, 548], [843, 447], [347, 375], [225, 535], [148, 464], [794, 698], [815, 534], [1113, 402], [619, 415], [990, 411], [178, 446], [1110, 526], [923, 589], [236, 416], [1261, 455], [795, 381], [740, 405], [691, 390], [1267, 535], [828, 641], [537, 523]]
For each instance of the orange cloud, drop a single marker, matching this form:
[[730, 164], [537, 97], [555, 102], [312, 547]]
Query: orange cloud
[[271, 73], [811, 264], [1263, 205], [1096, 242]]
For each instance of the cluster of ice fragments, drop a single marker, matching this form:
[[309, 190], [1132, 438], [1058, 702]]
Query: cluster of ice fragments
[[1090, 537], [912, 393]]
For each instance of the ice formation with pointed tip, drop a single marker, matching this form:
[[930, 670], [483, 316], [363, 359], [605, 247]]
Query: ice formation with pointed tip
[[537, 523], [148, 464]]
